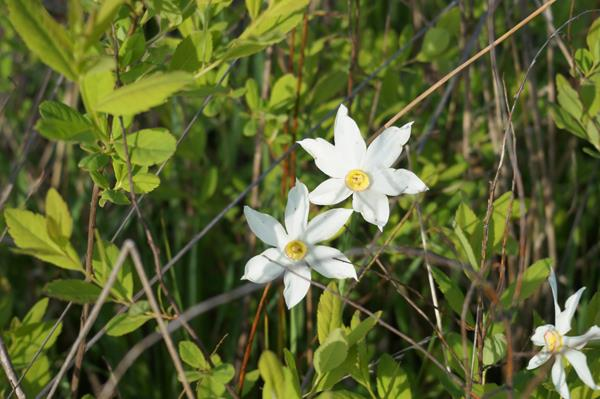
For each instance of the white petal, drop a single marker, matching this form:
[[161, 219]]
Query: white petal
[[579, 363], [327, 157], [580, 341], [414, 185], [266, 227], [552, 282], [264, 267], [296, 281], [563, 321], [330, 192], [539, 359], [387, 147], [373, 206], [331, 262], [326, 225], [348, 139], [386, 182], [296, 211], [560, 379], [538, 336]]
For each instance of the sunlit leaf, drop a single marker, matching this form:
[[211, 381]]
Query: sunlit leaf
[[143, 94]]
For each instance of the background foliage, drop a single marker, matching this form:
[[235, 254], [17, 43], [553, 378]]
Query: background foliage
[[211, 94]]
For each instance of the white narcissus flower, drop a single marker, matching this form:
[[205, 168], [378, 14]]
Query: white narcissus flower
[[365, 173], [295, 250], [553, 340]]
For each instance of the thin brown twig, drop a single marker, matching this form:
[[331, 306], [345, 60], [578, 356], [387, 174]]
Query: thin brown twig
[[89, 272], [259, 309]]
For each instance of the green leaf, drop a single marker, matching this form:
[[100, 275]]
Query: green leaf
[[100, 20], [253, 7], [436, 41], [271, 372], [276, 21], [250, 380], [283, 92], [209, 183], [36, 313], [466, 218], [584, 60], [392, 381], [494, 349], [125, 323], [291, 385], [329, 312], [192, 52], [568, 98], [142, 182], [290, 361], [147, 146], [223, 373], [499, 217], [533, 277], [592, 152], [340, 394], [57, 214], [564, 120], [192, 355], [116, 197], [593, 39], [97, 83], [240, 48], [590, 96], [105, 258], [28, 339], [71, 290], [143, 94], [466, 247], [251, 95], [332, 352], [360, 331], [61, 122], [93, 162], [45, 37], [452, 293], [30, 233]]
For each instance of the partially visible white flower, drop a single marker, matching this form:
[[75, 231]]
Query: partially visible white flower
[[294, 249], [552, 339], [365, 173]]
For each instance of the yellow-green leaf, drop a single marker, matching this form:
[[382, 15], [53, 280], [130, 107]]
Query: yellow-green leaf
[[45, 37], [192, 355], [392, 381], [143, 94], [147, 146], [30, 233], [57, 214], [329, 312], [332, 352], [100, 20], [271, 372], [534, 276]]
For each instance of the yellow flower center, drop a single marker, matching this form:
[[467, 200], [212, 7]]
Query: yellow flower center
[[357, 180], [554, 341], [295, 250]]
